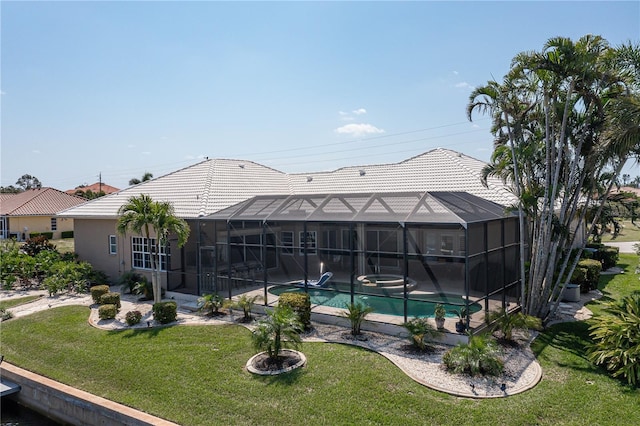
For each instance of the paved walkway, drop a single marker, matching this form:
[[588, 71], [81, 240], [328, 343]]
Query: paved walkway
[[625, 247]]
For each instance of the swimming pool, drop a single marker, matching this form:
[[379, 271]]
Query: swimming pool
[[420, 305]]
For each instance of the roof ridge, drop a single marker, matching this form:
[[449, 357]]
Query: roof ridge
[[207, 188]]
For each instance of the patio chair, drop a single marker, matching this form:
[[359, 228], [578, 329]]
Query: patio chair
[[324, 279]]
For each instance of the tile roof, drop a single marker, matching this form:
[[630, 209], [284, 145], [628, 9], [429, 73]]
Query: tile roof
[[212, 185], [37, 202], [94, 187]]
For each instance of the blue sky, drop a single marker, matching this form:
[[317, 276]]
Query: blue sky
[[121, 88]]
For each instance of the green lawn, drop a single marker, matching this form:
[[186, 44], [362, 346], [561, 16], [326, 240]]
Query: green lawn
[[194, 375], [629, 232], [7, 304]]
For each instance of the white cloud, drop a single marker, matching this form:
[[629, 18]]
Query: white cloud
[[359, 111], [342, 113], [464, 85], [131, 146], [195, 157], [146, 152], [35, 151], [455, 72], [357, 130]]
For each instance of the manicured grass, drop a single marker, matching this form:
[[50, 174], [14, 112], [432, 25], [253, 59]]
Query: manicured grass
[[64, 245], [629, 232], [6, 304], [194, 375], [614, 287]]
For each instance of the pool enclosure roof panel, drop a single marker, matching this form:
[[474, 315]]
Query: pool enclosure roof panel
[[402, 207]]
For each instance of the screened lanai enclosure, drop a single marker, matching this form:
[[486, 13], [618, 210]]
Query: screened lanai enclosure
[[400, 253]]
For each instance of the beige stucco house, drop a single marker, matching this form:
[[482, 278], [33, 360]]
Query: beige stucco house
[[34, 211]]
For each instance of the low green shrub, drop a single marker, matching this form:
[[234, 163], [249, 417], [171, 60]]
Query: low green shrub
[[356, 313], [107, 311], [110, 299], [300, 303], [165, 312], [211, 304], [592, 268], [47, 235], [421, 332], [616, 339], [97, 291], [609, 256], [66, 234], [481, 356], [129, 280], [133, 317], [5, 314]]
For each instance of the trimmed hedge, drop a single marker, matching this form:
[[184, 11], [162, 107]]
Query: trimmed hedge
[[107, 311], [165, 312], [66, 234], [47, 235], [301, 305], [133, 317], [110, 299], [590, 274], [97, 291]]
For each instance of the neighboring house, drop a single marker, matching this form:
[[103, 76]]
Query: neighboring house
[[95, 188], [35, 210], [253, 223]]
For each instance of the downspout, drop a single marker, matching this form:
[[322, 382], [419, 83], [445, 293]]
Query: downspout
[[467, 284], [406, 269], [352, 274], [199, 259], [306, 259], [229, 256], [264, 259]]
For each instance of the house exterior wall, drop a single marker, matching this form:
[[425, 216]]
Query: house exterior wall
[[17, 225], [91, 237]]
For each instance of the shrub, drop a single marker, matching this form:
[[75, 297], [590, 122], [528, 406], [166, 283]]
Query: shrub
[[66, 234], [211, 303], [97, 292], [420, 332], [107, 311], [47, 235], [356, 313], [481, 356], [280, 328], [110, 299], [592, 276], [165, 312], [300, 303], [129, 280], [616, 339], [506, 322], [608, 256], [133, 317], [246, 303], [35, 245], [5, 315]]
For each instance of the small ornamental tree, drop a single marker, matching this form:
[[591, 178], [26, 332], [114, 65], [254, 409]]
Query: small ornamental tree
[[281, 328]]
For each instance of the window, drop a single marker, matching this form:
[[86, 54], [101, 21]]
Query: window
[[286, 237], [113, 246], [141, 253], [54, 223], [311, 242]]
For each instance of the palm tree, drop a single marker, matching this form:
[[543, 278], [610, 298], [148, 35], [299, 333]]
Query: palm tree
[[566, 115], [280, 328], [150, 218], [356, 313], [145, 177]]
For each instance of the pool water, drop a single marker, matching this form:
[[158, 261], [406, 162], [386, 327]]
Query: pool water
[[420, 305]]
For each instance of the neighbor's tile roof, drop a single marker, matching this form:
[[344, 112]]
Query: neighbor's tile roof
[[37, 202], [95, 187], [215, 184]]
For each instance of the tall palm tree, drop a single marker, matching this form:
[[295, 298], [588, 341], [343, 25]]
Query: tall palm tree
[[568, 118], [151, 218]]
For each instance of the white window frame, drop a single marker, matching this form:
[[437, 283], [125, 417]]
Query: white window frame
[[141, 254], [113, 244], [312, 242], [286, 243], [54, 223]]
